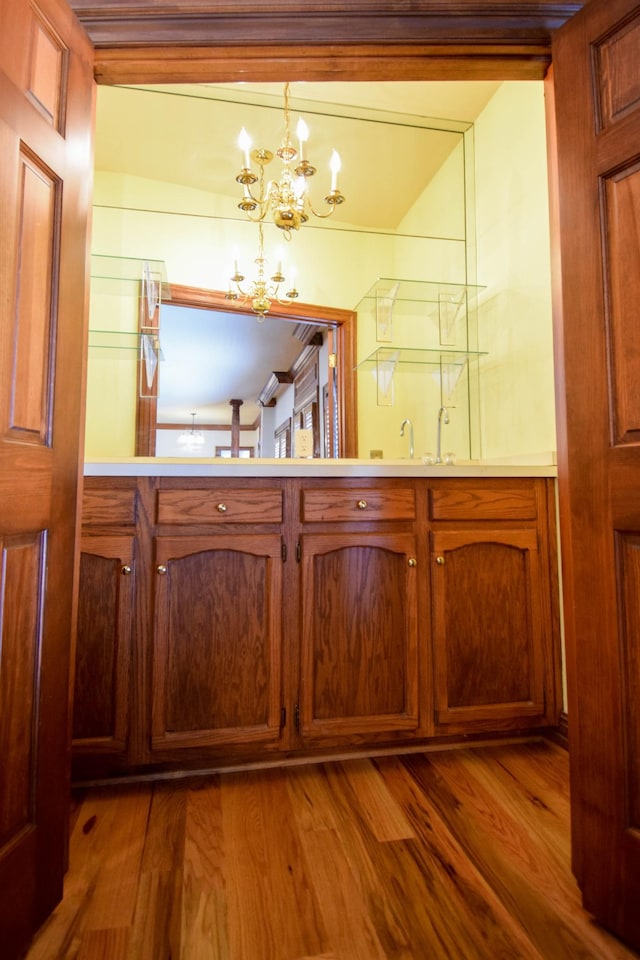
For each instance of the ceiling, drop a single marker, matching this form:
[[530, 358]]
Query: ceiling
[[392, 137]]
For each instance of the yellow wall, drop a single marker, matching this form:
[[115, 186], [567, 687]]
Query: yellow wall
[[517, 381]]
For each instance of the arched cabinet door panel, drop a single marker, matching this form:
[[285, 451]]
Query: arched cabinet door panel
[[216, 648], [359, 657], [490, 626]]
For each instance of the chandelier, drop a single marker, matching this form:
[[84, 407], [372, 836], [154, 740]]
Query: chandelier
[[191, 439], [262, 291], [288, 198]]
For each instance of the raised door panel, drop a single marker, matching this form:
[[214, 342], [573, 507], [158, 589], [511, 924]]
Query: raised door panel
[[489, 626], [101, 707], [22, 565], [359, 636], [217, 641]]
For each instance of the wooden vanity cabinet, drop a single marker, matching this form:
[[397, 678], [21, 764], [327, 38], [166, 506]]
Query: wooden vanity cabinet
[[492, 605], [224, 622]]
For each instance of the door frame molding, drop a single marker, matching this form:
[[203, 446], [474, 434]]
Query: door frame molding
[[450, 39]]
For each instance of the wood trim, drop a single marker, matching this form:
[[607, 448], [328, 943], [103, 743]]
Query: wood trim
[[143, 41], [268, 393], [472, 61], [560, 735], [146, 406]]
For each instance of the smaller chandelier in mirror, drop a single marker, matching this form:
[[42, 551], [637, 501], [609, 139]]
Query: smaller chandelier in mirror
[[191, 439], [261, 292], [288, 197]]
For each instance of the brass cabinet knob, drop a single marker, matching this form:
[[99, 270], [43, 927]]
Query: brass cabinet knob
[[161, 569], [440, 561], [125, 570], [221, 508], [362, 504], [413, 562]]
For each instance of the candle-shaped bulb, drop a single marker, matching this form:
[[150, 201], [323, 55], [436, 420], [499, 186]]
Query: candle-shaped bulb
[[302, 131], [334, 165], [299, 187], [244, 142]]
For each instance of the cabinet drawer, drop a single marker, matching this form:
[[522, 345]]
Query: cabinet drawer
[[483, 500], [220, 505], [358, 504], [108, 505]]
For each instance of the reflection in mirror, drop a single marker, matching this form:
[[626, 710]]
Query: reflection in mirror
[[274, 374], [282, 386]]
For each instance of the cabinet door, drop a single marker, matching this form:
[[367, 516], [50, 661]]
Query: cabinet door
[[359, 636], [490, 626], [103, 650], [217, 641]]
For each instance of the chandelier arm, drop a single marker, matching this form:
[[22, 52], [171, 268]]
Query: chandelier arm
[[320, 216]]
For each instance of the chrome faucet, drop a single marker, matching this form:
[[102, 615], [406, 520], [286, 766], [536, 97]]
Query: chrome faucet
[[443, 416], [410, 425]]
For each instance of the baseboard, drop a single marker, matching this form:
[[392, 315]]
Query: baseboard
[[560, 734]]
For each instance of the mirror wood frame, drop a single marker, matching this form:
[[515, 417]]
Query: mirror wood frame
[[343, 322]]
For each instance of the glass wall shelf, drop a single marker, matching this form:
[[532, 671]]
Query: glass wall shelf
[[418, 357], [114, 340], [118, 276], [419, 341], [395, 305], [418, 291]]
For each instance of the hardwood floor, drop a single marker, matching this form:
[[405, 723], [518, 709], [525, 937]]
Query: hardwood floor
[[461, 855]]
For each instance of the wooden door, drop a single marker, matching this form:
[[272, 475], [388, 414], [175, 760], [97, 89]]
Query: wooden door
[[46, 103], [359, 655], [217, 643], [101, 701], [597, 90], [491, 626]]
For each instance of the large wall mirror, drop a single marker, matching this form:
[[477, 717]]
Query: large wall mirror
[[166, 191]]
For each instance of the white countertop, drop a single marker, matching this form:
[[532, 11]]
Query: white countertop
[[225, 467]]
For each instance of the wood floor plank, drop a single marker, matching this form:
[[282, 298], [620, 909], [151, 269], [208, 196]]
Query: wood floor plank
[[204, 926], [452, 855], [447, 895], [118, 876], [157, 932], [349, 928], [384, 816], [105, 944], [525, 873], [273, 912], [107, 838]]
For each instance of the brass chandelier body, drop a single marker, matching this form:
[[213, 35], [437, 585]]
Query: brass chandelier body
[[263, 290], [287, 198]]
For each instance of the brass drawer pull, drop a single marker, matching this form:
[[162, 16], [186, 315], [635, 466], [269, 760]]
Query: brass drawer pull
[[161, 569], [413, 562], [440, 561], [221, 508], [362, 504], [125, 570]]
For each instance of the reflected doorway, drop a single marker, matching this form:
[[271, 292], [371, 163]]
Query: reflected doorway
[[251, 384]]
